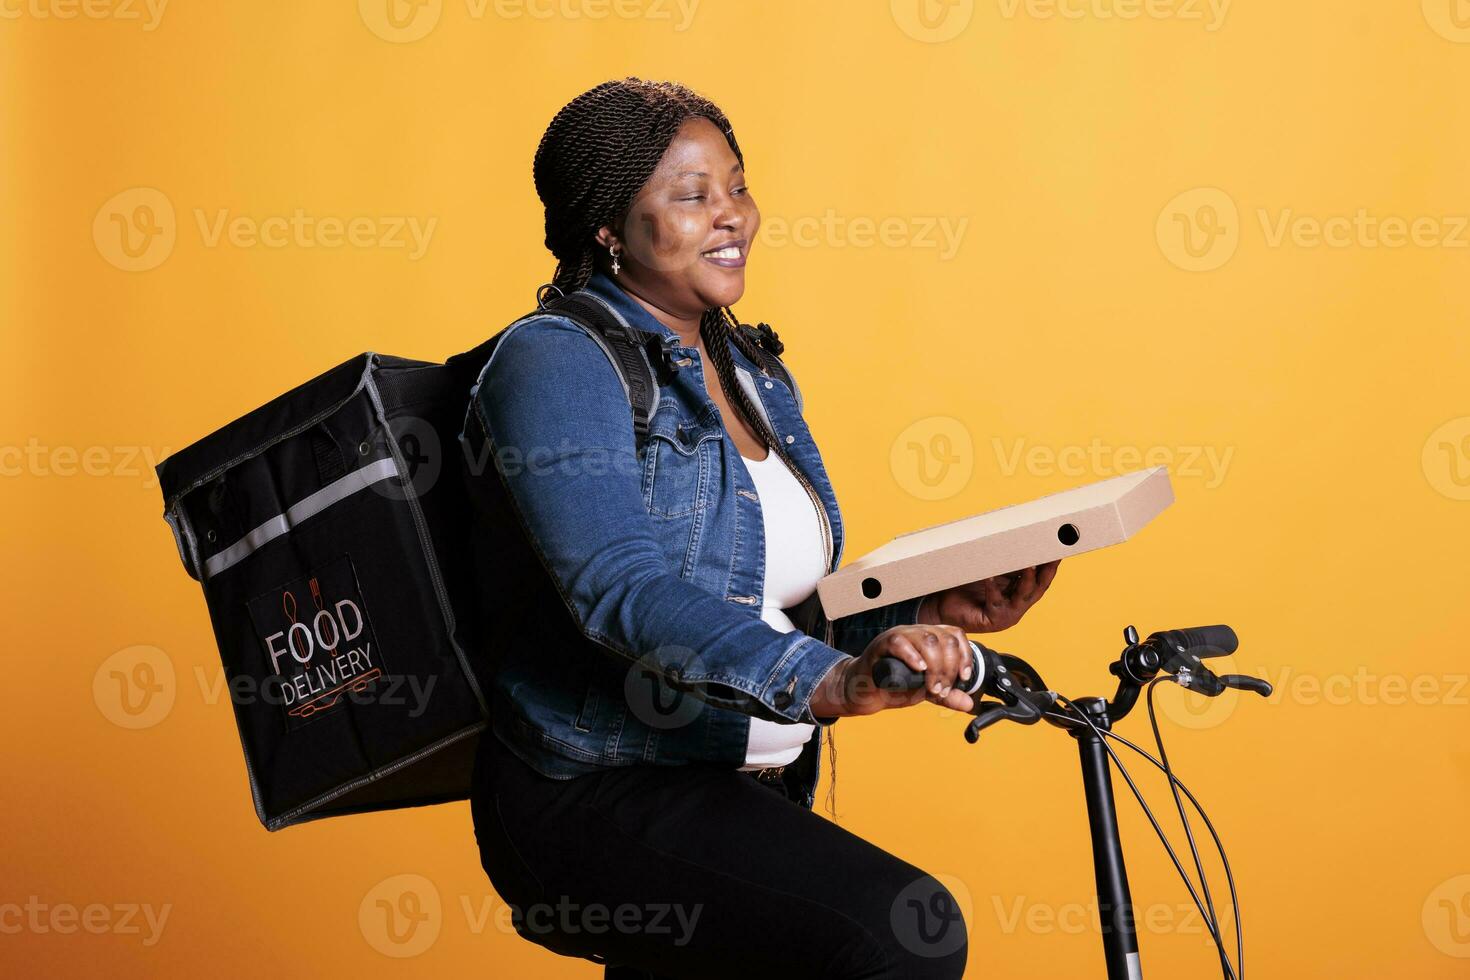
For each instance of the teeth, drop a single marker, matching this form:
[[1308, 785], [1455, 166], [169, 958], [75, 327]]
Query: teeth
[[725, 253]]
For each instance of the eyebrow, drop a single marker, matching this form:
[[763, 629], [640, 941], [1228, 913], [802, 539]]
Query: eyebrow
[[701, 173]]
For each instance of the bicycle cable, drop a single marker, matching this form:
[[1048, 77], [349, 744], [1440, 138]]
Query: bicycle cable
[[1188, 832], [1159, 830], [1219, 845]]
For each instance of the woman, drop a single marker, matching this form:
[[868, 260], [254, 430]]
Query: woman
[[644, 798]]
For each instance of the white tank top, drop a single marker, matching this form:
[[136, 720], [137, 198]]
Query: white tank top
[[795, 557]]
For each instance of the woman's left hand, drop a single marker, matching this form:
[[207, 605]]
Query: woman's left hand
[[991, 604]]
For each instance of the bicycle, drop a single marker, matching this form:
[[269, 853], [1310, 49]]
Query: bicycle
[[1020, 695]]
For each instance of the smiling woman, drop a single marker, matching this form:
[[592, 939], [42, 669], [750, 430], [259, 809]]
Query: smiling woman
[[662, 694]]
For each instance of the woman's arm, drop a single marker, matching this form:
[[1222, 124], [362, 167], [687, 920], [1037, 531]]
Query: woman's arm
[[560, 436]]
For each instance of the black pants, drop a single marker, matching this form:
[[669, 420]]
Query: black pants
[[700, 871]]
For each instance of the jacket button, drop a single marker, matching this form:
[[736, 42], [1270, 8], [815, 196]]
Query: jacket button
[[790, 440], [769, 385]]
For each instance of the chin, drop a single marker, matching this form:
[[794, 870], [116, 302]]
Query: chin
[[722, 290]]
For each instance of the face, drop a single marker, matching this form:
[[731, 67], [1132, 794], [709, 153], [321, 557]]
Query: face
[[685, 241]]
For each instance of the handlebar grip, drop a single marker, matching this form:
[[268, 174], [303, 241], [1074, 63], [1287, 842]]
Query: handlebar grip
[[892, 674], [1210, 641]]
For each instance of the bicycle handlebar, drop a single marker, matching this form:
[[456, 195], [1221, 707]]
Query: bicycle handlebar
[[1023, 696]]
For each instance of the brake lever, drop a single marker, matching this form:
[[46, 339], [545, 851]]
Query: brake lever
[[1023, 707]]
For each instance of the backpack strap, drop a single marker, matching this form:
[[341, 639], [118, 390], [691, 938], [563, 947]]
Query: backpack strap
[[633, 352], [639, 356], [769, 348]]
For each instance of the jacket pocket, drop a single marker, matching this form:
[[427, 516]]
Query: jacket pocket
[[679, 465]]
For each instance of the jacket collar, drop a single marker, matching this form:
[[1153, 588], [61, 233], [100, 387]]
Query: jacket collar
[[627, 308], [636, 316]]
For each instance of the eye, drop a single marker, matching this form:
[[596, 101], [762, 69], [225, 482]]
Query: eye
[[740, 190], [697, 197]]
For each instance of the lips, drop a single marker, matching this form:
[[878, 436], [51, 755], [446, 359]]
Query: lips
[[731, 255]]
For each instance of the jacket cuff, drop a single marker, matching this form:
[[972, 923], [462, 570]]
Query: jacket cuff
[[794, 681]]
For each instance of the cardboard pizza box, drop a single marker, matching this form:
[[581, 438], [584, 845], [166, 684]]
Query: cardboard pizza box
[[1057, 525]]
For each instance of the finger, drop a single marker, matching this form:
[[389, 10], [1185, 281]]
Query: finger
[[936, 680], [942, 673], [1046, 573], [995, 596], [901, 647], [959, 701], [1025, 583]]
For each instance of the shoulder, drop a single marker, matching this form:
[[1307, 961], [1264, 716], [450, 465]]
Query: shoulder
[[547, 342]]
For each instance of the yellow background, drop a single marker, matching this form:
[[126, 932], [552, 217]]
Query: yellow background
[[1074, 145]]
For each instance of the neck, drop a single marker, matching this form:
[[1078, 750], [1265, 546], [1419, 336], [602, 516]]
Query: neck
[[687, 327]]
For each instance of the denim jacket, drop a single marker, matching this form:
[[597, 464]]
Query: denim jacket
[[628, 584]]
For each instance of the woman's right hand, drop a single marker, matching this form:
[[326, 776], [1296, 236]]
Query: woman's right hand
[[942, 653]]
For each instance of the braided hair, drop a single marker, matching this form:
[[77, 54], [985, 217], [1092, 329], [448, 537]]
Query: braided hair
[[596, 155]]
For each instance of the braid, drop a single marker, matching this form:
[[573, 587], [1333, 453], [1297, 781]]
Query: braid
[[594, 158]]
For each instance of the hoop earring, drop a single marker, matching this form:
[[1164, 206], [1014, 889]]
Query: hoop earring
[[612, 250]]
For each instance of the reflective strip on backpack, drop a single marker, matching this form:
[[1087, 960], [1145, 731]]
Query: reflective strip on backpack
[[334, 492]]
